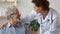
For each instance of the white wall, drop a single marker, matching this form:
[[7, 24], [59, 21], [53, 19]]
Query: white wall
[[56, 5], [25, 6], [3, 7]]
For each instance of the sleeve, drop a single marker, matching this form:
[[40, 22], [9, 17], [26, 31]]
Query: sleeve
[[54, 27], [2, 31], [30, 16]]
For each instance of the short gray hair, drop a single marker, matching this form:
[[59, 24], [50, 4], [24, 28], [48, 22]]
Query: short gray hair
[[9, 11]]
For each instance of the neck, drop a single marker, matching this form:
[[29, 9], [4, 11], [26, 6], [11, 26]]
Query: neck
[[13, 23], [44, 13]]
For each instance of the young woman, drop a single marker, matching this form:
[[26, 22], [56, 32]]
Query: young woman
[[47, 17]]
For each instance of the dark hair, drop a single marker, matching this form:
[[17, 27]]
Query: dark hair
[[41, 3]]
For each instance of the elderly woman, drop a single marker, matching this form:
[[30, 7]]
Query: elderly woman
[[10, 10], [15, 25]]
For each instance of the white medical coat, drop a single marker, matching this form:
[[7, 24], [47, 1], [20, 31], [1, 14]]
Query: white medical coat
[[49, 25]]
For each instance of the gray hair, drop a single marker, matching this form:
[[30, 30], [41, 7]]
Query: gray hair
[[9, 11]]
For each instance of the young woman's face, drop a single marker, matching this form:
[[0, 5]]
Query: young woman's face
[[37, 9]]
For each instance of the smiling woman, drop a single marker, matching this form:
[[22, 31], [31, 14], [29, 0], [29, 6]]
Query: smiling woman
[[13, 25]]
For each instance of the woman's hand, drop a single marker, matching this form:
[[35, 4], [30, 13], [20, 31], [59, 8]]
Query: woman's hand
[[29, 30], [3, 25]]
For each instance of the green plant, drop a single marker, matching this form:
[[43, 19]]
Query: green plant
[[34, 25]]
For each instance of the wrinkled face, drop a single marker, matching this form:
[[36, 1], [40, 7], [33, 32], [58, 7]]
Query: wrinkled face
[[15, 18], [37, 9]]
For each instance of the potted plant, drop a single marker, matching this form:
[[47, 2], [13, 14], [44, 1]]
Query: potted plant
[[33, 25]]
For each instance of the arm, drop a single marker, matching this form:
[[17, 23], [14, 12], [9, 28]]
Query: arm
[[30, 17]]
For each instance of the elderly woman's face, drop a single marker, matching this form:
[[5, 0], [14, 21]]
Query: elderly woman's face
[[14, 16], [14, 19]]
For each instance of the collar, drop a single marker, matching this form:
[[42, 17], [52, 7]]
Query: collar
[[9, 25]]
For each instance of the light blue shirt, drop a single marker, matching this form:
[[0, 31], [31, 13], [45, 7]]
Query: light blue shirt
[[9, 29], [49, 25]]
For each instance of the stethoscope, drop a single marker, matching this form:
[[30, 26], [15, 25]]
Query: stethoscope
[[42, 25], [49, 19]]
